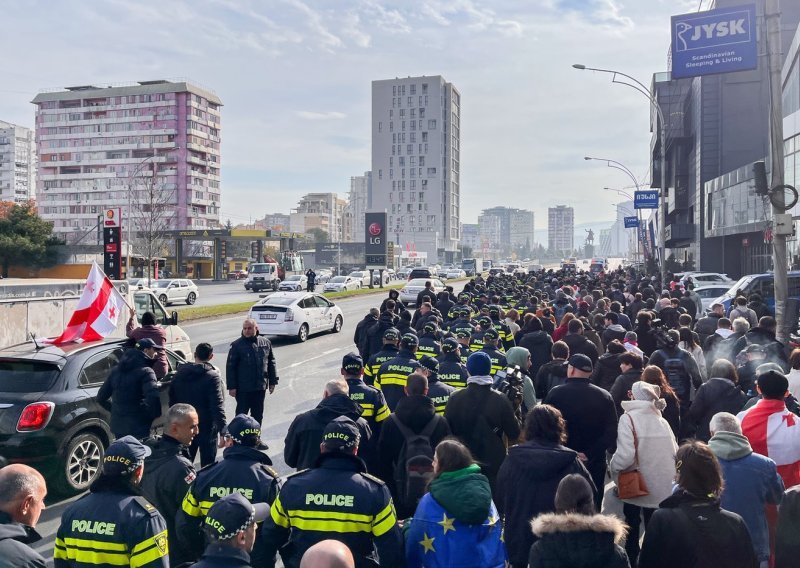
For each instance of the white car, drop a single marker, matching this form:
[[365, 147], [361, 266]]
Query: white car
[[706, 278], [323, 275], [341, 284], [709, 293], [294, 283], [296, 314], [175, 290], [455, 273], [409, 292], [361, 276]]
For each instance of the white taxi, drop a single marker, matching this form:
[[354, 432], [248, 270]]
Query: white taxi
[[296, 314]]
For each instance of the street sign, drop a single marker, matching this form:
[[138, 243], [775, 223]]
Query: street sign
[[375, 240], [715, 41], [631, 222], [645, 199]]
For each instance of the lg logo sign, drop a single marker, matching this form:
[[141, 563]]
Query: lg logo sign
[[375, 230]]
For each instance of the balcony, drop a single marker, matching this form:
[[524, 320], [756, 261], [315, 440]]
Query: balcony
[[679, 234]]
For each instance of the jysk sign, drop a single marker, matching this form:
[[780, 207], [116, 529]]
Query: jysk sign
[[645, 199], [375, 240], [716, 41], [631, 222]]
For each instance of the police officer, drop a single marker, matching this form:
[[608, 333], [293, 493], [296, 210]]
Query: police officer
[[476, 339], [490, 339], [338, 500], [391, 377], [438, 391], [503, 329], [462, 322], [391, 338], [113, 525], [242, 469], [369, 398], [462, 337], [452, 370], [230, 529], [429, 341]]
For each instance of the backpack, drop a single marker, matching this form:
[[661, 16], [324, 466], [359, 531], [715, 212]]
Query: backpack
[[677, 374], [413, 469]]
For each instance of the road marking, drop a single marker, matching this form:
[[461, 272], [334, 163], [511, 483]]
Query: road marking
[[323, 354]]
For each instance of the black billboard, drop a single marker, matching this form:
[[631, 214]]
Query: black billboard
[[375, 240]]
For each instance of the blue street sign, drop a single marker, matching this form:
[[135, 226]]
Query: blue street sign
[[631, 222], [645, 199], [715, 41]]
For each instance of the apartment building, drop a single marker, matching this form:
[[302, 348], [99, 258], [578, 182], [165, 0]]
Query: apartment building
[[319, 211], [561, 229], [17, 163], [357, 206]]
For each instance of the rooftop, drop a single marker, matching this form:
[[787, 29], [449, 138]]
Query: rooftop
[[121, 89]]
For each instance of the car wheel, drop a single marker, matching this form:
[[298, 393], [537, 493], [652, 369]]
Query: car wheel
[[163, 299], [302, 335], [81, 463], [191, 298], [337, 325]]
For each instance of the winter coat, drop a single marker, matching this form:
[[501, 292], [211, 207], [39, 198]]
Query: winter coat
[[760, 336], [159, 336], [304, 436], [787, 535], [760, 309], [200, 385], [460, 518], [374, 335], [577, 343], [606, 371], [656, 451], [683, 381], [399, 307], [540, 345], [133, 391], [688, 532], [746, 313], [715, 395], [697, 354], [714, 347], [550, 375], [15, 539], [594, 338], [707, 326], [622, 386], [360, 335], [251, 365], [612, 332], [526, 487], [646, 339], [578, 541], [443, 303], [751, 482]]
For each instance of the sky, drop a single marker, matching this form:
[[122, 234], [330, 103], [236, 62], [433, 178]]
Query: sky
[[295, 80]]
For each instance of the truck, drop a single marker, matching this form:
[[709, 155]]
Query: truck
[[43, 307], [262, 275], [472, 266]]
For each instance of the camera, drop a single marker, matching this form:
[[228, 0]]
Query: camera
[[510, 383]]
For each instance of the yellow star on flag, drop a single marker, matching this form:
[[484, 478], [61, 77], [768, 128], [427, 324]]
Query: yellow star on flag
[[447, 524], [427, 543]]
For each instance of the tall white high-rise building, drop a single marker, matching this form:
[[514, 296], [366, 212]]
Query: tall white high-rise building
[[416, 145], [357, 202], [561, 229], [17, 163]]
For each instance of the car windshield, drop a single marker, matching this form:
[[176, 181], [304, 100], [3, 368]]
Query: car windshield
[[261, 269], [280, 301], [420, 282], [740, 285], [26, 376], [356, 274], [339, 279], [294, 278]]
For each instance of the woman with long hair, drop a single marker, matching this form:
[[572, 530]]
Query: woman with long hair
[[689, 344], [671, 412], [561, 330]]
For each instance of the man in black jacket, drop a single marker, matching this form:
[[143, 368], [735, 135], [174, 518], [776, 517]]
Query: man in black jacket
[[199, 385], [374, 340], [360, 335], [167, 471], [391, 338], [707, 325], [679, 367], [250, 371], [131, 386], [22, 493], [426, 292], [578, 343], [764, 334]]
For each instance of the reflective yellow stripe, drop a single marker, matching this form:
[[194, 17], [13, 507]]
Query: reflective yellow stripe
[[439, 408], [382, 414], [97, 544], [190, 505], [384, 521], [83, 551], [392, 379], [369, 370], [278, 514], [496, 368], [147, 551], [330, 521], [329, 515]]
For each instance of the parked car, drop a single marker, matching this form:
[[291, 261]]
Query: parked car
[[402, 273], [294, 283], [496, 270], [361, 276], [409, 292], [296, 314], [376, 277], [710, 293], [341, 284], [455, 272], [237, 275], [50, 418], [177, 290], [704, 278], [323, 275], [421, 272]]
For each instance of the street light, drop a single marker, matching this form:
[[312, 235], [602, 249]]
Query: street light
[[639, 87]]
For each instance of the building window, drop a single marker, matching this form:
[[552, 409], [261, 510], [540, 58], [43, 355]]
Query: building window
[[380, 174], [432, 124], [402, 113], [409, 148], [431, 171], [413, 90], [409, 101]]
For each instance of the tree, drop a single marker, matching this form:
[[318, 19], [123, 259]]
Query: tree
[[25, 238], [318, 235], [153, 214]]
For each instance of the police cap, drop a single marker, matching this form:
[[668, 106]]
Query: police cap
[[352, 363], [232, 514], [429, 363], [341, 433], [491, 333], [245, 430], [391, 334], [430, 327], [124, 455], [449, 345], [409, 339]]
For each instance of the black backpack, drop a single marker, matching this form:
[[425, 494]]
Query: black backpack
[[413, 469], [677, 374]]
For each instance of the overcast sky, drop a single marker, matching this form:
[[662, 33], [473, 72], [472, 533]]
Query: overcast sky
[[294, 77]]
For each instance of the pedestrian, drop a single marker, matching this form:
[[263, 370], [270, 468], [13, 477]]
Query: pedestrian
[[388, 350], [794, 374], [391, 376], [612, 329], [113, 525], [520, 357], [645, 442], [438, 391], [764, 335], [230, 531], [607, 369], [679, 367], [538, 343], [311, 281], [427, 292], [689, 344], [360, 337], [552, 373], [740, 310], [707, 325], [397, 307], [132, 388], [199, 385], [251, 371], [631, 366], [721, 393], [787, 534], [590, 415], [687, 303], [690, 528], [456, 523], [751, 480], [529, 477], [150, 330], [578, 343], [712, 346], [574, 535], [645, 334], [22, 493], [301, 447], [335, 499], [452, 370], [756, 303], [328, 554], [168, 472]]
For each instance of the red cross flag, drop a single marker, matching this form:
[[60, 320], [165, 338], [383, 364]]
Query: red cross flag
[[98, 310]]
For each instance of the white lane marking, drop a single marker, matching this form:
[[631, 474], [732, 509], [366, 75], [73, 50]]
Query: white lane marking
[[323, 354]]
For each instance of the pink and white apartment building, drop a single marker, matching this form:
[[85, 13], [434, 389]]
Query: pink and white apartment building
[[98, 146]]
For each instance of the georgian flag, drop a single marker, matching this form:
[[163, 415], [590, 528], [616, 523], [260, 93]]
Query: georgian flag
[[98, 311]]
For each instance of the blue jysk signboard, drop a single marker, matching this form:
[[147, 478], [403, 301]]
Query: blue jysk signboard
[[631, 222], [716, 41], [645, 199]]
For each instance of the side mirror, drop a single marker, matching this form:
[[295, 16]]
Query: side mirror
[[173, 320]]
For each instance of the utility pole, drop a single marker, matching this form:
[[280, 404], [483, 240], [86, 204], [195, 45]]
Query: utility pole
[[772, 18]]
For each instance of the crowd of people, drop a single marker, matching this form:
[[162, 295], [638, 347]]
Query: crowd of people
[[556, 419]]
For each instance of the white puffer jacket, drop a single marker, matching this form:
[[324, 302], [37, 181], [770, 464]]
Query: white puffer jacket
[[657, 447]]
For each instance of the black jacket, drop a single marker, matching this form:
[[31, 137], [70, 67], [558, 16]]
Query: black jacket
[[302, 442], [606, 371], [393, 374], [399, 307], [443, 303], [760, 336], [428, 345], [646, 339], [526, 487], [787, 543], [578, 343], [200, 385], [135, 401], [715, 395], [452, 371], [360, 335], [373, 364], [374, 335], [578, 541], [688, 532], [540, 345], [622, 385], [707, 326], [550, 375], [168, 473], [219, 556], [423, 293], [680, 381], [251, 365], [14, 541]]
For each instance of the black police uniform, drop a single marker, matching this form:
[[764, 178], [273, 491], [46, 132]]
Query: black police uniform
[[374, 364], [221, 556], [393, 375], [428, 345], [243, 469], [461, 323], [335, 500], [498, 359], [452, 370], [476, 340], [506, 336], [371, 401], [439, 392]]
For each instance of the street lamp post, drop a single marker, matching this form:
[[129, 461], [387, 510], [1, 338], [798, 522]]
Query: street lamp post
[[639, 87], [638, 213]]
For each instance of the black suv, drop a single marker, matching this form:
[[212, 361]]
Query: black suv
[[49, 415]]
